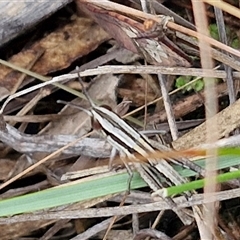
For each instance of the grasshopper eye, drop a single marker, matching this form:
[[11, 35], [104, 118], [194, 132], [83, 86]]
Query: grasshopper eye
[[75, 106]]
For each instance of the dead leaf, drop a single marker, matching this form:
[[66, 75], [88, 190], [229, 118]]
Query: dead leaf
[[133, 89], [150, 42], [20, 229], [9, 77], [65, 45], [6, 165], [60, 47]]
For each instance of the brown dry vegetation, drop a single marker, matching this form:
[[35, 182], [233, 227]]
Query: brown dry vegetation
[[38, 126]]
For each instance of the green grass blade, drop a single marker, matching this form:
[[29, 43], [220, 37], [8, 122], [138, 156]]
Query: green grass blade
[[174, 190], [92, 188], [69, 193]]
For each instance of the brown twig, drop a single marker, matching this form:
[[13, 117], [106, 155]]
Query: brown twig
[[158, 205]]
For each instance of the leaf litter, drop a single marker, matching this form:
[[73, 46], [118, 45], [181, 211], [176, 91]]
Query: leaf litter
[[78, 42]]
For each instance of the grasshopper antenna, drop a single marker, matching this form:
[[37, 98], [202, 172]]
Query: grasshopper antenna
[[75, 106], [88, 98], [83, 88]]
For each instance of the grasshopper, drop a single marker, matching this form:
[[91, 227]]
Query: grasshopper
[[125, 139]]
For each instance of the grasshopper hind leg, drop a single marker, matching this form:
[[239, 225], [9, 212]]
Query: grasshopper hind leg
[[112, 156], [129, 170], [130, 173]]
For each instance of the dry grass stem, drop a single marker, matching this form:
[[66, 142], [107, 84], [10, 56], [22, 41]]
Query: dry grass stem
[[209, 210]]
